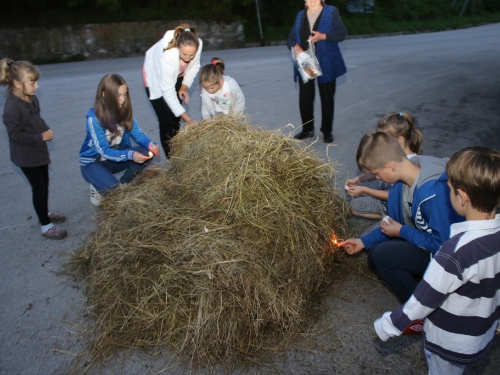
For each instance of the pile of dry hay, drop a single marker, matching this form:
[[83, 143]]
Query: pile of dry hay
[[218, 255]]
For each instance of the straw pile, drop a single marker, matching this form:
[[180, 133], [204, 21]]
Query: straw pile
[[218, 255]]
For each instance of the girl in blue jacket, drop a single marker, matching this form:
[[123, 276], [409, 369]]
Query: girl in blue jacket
[[107, 148]]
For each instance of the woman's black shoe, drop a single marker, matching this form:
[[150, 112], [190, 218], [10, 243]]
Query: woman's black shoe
[[303, 135], [328, 138]]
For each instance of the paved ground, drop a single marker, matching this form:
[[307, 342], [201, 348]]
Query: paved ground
[[448, 80]]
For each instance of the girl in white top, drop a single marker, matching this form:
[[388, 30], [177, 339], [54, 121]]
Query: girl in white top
[[368, 202], [169, 71], [219, 94]]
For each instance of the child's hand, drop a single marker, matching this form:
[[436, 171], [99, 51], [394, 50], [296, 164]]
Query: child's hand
[[154, 148], [390, 227], [48, 135], [352, 181], [355, 191], [140, 158], [352, 245], [183, 94]]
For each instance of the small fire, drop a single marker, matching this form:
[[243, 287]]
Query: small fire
[[334, 244], [150, 154]]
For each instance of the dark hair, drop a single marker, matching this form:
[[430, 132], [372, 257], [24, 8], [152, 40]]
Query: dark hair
[[184, 35], [20, 71], [212, 72], [402, 125], [376, 149], [106, 106], [476, 171]]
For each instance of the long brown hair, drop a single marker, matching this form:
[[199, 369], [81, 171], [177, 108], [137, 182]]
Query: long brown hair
[[106, 108], [184, 35]]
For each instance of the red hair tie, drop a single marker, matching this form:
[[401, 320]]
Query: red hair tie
[[214, 62]]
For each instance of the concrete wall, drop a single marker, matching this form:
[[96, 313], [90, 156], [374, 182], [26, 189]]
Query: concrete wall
[[96, 41]]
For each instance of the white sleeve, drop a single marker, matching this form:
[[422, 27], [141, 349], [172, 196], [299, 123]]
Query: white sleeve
[[384, 327], [206, 103], [238, 99], [168, 79]]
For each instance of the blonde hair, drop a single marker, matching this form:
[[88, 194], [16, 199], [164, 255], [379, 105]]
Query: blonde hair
[[106, 106], [402, 125], [184, 35], [476, 171], [21, 71], [212, 73], [376, 149]]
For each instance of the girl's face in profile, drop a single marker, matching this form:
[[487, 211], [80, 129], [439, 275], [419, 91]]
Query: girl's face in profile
[[122, 95], [187, 53], [213, 87]]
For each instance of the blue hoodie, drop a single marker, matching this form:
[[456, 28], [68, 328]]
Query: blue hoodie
[[431, 211], [96, 145]]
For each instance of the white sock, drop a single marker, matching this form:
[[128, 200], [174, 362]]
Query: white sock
[[45, 228]]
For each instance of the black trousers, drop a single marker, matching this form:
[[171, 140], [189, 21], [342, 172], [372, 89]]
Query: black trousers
[[307, 93], [169, 123], [38, 178]]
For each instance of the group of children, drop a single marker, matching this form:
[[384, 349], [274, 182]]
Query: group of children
[[437, 243], [169, 70]]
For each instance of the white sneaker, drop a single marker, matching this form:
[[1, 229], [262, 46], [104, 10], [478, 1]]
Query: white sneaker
[[95, 197]]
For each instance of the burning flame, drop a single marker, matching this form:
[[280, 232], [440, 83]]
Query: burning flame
[[150, 154], [334, 244]]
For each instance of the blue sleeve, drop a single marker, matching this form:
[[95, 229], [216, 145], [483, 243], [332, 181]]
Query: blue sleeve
[[376, 236], [139, 136], [98, 135], [439, 214]]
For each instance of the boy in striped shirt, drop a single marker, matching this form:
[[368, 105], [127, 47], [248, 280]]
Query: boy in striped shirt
[[459, 296]]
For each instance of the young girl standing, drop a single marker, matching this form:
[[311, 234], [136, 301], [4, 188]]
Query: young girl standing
[[219, 94], [169, 70], [28, 137], [107, 148], [402, 127]]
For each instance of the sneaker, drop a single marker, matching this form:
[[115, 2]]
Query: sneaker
[[55, 233], [415, 328], [57, 218], [95, 197]]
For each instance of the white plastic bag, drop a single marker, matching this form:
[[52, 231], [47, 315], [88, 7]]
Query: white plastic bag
[[307, 63]]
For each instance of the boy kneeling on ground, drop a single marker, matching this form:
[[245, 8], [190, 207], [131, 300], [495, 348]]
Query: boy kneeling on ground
[[460, 293], [419, 208]]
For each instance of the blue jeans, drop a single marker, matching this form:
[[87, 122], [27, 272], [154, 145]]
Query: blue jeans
[[101, 173], [400, 264]]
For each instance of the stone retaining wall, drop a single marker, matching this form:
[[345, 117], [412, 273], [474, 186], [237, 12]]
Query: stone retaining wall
[[94, 41]]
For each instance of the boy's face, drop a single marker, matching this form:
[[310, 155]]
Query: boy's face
[[456, 201], [386, 174]]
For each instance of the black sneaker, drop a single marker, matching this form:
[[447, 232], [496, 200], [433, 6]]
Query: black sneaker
[[303, 135]]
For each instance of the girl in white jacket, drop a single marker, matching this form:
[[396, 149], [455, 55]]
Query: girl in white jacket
[[219, 94], [169, 71]]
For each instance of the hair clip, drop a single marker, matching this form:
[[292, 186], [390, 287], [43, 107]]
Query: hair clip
[[401, 114], [9, 64], [187, 29], [214, 62]]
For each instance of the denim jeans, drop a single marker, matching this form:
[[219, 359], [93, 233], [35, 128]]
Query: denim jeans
[[101, 174]]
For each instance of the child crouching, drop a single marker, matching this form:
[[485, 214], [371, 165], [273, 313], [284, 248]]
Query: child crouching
[[459, 292]]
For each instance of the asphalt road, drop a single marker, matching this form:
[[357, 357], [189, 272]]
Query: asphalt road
[[448, 80]]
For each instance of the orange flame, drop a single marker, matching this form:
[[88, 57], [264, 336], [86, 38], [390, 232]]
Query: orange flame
[[150, 154]]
